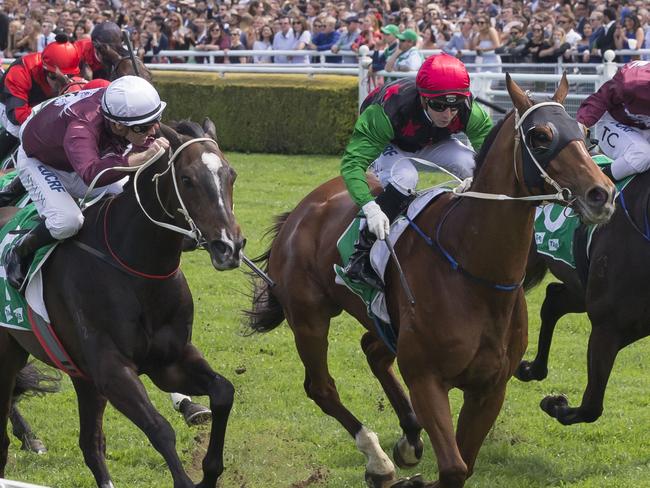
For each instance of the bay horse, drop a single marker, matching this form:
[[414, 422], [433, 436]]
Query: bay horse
[[465, 330], [613, 295], [121, 307]]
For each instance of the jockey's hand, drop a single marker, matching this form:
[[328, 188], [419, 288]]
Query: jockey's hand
[[378, 223], [142, 157]]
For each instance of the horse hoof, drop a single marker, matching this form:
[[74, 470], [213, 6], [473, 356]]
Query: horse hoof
[[33, 444], [195, 414], [526, 371], [552, 404], [411, 482], [406, 455], [380, 480]]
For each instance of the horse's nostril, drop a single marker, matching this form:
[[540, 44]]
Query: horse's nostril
[[597, 196], [221, 248]]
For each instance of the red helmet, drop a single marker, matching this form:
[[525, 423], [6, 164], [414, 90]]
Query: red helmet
[[442, 75], [61, 55]]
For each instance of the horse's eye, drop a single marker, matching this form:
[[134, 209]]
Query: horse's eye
[[541, 137], [186, 180]]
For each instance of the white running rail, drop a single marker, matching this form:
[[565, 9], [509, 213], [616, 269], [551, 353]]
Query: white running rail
[[18, 484]]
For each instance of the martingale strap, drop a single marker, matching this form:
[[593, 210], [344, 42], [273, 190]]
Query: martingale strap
[[52, 346]]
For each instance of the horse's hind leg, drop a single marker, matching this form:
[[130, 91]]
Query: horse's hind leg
[[23, 431], [407, 452], [559, 301], [12, 359], [604, 344], [91, 435], [192, 375], [310, 334]]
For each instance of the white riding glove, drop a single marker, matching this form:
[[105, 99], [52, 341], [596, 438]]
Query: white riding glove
[[378, 223]]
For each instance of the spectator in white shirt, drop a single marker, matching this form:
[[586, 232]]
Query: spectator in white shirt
[[45, 37], [283, 40], [406, 57]]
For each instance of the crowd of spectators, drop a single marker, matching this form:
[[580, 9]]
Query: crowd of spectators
[[538, 31]]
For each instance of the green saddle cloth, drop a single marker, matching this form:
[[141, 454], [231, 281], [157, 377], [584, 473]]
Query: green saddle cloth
[[555, 225], [345, 246], [14, 305]]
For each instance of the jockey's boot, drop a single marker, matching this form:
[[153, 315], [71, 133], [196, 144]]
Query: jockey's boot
[[11, 192], [19, 257], [359, 269], [8, 143]]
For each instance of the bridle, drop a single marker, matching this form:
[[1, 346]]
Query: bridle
[[193, 232]]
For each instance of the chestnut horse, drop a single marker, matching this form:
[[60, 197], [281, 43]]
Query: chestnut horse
[[466, 330], [121, 307], [613, 295]]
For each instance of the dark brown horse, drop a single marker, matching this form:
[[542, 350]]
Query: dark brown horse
[[129, 311], [118, 64], [614, 296], [463, 331]]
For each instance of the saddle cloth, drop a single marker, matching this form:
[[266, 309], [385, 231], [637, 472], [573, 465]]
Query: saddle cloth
[[375, 300]]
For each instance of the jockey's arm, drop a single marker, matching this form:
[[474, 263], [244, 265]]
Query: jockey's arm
[[18, 82], [372, 133], [82, 150], [596, 104], [478, 126]]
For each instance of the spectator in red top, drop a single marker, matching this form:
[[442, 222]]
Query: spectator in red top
[[31, 80]]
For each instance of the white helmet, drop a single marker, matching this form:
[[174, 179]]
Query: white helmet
[[131, 100]]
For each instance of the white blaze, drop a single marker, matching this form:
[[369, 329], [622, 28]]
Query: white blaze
[[214, 164]]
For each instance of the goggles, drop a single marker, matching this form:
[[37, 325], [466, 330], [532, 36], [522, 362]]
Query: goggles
[[439, 106], [143, 128]]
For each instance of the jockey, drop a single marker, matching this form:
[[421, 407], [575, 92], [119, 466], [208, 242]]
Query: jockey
[[31, 80], [92, 52], [408, 118], [66, 144], [620, 112]]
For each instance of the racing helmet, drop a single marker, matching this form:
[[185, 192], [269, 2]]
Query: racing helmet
[[131, 100], [443, 75], [61, 55]]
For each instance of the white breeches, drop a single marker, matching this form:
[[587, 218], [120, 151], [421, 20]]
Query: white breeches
[[629, 147], [6, 123], [392, 167], [53, 192]]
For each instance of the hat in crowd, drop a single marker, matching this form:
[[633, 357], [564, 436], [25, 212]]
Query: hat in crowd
[[107, 33], [408, 35], [352, 18], [390, 29]]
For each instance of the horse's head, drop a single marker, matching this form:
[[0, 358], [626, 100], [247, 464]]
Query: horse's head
[[118, 62], [551, 154], [205, 185]]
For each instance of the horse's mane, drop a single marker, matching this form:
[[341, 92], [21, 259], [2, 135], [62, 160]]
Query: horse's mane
[[188, 127], [480, 157]]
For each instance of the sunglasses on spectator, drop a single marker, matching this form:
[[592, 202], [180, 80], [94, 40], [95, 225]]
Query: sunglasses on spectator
[[318, 26], [537, 30], [215, 29], [142, 128], [438, 106], [479, 22]]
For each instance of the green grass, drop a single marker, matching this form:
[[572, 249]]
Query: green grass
[[278, 438]]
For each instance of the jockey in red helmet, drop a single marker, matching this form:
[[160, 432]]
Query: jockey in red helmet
[[31, 80], [408, 118]]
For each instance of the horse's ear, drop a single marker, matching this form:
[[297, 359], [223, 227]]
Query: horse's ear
[[171, 135], [519, 98], [209, 128], [562, 90]]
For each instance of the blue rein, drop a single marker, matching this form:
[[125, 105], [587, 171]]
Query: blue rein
[[455, 265]]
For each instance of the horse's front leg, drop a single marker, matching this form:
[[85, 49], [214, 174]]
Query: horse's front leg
[[407, 452], [431, 404], [91, 435], [192, 375], [559, 301], [604, 344], [115, 379]]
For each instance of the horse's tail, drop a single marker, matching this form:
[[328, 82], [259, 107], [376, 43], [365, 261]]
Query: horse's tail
[[266, 313], [31, 381]]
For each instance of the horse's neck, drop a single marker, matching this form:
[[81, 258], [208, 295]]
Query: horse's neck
[[491, 238], [151, 246]]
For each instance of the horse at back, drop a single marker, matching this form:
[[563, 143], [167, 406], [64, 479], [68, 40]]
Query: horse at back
[[614, 296], [121, 307], [467, 327]]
